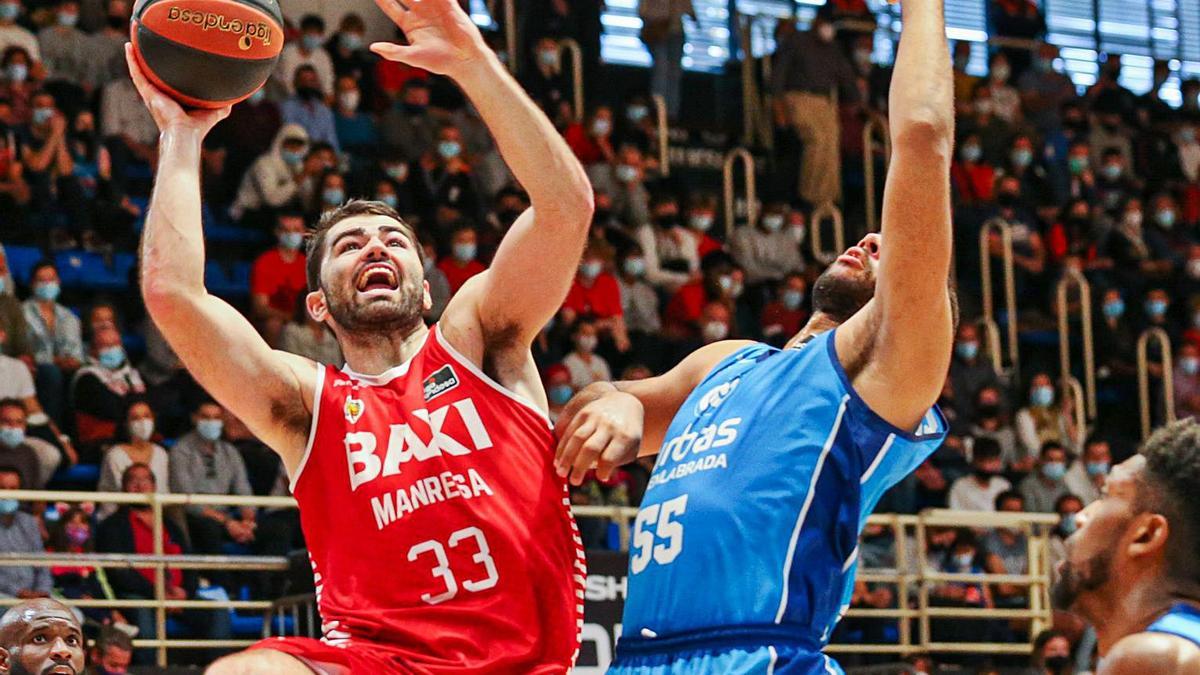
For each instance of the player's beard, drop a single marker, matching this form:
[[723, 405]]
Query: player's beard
[[1074, 580], [374, 316], [840, 295]]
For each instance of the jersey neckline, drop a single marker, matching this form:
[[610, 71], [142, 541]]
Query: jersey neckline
[[392, 373]]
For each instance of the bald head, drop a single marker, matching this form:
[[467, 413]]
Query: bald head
[[39, 637]]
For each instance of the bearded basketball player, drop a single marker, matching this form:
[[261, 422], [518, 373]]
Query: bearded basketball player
[[744, 550], [1132, 567], [441, 538]]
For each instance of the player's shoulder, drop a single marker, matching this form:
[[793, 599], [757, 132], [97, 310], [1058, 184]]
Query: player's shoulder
[[1151, 652]]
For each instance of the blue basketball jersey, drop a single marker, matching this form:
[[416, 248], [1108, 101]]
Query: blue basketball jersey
[[1183, 620], [750, 523]]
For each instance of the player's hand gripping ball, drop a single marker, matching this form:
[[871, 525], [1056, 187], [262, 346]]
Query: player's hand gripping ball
[[207, 53]]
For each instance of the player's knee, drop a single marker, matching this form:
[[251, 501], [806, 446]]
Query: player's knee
[[258, 662]]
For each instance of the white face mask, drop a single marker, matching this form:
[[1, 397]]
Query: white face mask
[[349, 100], [587, 343], [715, 331], [141, 429]]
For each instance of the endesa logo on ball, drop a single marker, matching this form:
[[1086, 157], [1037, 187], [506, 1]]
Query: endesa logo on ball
[[249, 31]]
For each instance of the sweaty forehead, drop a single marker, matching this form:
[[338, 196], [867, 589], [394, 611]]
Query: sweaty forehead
[[1124, 476]]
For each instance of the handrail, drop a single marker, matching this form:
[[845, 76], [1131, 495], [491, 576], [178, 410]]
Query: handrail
[[1004, 230], [991, 337], [569, 45], [510, 33], [1073, 277], [1071, 387], [831, 211], [664, 134], [1168, 377], [750, 182], [876, 138]]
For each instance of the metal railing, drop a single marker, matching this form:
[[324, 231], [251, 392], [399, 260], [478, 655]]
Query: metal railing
[[664, 134], [826, 211], [756, 105], [576, 52], [1073, 278], [991, 338], [876, 140], [911, 576], [1004, 231], [1168, 377], [749, 181]]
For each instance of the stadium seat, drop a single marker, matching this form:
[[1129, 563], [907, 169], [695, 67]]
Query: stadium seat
[[91, 271], [21, 260], [75, 476], [227, 280]]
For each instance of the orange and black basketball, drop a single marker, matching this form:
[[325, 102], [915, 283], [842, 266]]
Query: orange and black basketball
[[207, 53]]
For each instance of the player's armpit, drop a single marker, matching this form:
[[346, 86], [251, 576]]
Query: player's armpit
[[1157, 653]]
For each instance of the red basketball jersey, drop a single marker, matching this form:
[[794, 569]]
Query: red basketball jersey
[[436, 524]]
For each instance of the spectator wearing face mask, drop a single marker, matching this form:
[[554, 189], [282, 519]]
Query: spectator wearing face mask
[[970, 370], [307, 337], [355, 128], [701, 216], [408, 128], [992, 130], [1140, 254], [277, 278], [461, 264], [448, 175], [594, 295], [1044, 90], [57, 339], [306, 107], [786, 314], [19, 533], [766, 250], [1186, 381], [716, 284], [1043, 486], [137, 446], [1162, 215], [350, 57], [307, 52], [1073, 237], [583, 363], [16, 450], [992, 421], [1086, 476], [274, 179], [1041, 420], [12, 34], [1051, 655], [1006, 551], [978, 491], [670, 249], [329, 193], [102, 391], [1024, 165], [1006, 102], [1156, 314], [972, 176], [592, 139], [558, 389], [546, 82], [1066, 507], [63, 46], [1076, 178], [1115, 183], [248, 132]]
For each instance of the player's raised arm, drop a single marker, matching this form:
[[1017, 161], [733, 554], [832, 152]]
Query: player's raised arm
[[537, 260], [910, 317], [216, 343]]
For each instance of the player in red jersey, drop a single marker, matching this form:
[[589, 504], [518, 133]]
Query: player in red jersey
[[440, 536]]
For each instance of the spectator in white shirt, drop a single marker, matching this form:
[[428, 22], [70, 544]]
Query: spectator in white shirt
[[12, 35], [308, 50], [1086, 476], [583, 363], [978, 491]]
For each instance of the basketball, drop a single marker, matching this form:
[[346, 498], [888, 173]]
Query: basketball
[[207, 53]]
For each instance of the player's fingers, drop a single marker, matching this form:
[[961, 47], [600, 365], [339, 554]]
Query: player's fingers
[[566, 427], [575, 441], [621, 450], [588, 453]]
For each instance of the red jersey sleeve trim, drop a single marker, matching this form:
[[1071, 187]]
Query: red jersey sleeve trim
[[318, 393], [466, 363]]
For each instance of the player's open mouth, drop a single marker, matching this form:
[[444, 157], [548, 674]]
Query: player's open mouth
[[377, 277], [64, 668], [851, 260]]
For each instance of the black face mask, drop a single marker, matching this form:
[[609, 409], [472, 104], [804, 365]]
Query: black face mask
[[1058, 664], [984, 474], [308, 93], [1008, 200], [988, 411], [118, 22], [666, 221]]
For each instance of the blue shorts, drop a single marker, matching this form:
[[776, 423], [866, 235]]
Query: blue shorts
[[721, 652]]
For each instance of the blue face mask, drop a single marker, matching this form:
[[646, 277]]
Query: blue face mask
[[1156, 307], [792, 299], [966, 350], [1165, 218], [1114, 309], [1112, 171], [626, 173], [9, 506], [67, 19], [1067, 524], [3, 283], [210, 430], [1190, 365], [637, 113], [634, 267], [10, 10], [464, 252], [292, 158], [1022, 157], [449, 149], [560, 394], [1054, 471], [591, 269], [1042, 396], [291, 240], [390, 200], [18, 72], [971, 153], [311, 42], [257, 96], [111, 357], [351, 41], [333, 195], [46, 291], [397, 172], [42, 115], [11, 437], [1096, 468], [964, 560]]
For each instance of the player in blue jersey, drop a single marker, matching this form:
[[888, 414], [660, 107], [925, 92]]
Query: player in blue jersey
[[744, 549], [1132, 567]]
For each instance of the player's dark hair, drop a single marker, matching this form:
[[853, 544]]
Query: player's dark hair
[[1168, 487], [355, 207]]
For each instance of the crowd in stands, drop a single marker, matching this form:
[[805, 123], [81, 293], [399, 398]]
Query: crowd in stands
[[1097, 181]]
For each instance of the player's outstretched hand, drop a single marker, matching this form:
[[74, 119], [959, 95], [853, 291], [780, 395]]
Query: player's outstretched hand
[[165, 110], [602, 434], [441, 37]]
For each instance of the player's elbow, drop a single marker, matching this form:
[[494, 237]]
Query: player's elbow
[[164, 297], [925, 130]]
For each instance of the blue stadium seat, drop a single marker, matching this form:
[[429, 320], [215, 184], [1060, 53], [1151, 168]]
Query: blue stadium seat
[[84, 269], [227, 280], [75, 476], [21, 260]]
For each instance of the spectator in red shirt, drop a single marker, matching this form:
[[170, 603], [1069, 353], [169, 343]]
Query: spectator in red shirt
[[277, 278], [686, 307], [701, 216], [971, 175], [461, 264], [595, 296], [786, 314], [591, 140]]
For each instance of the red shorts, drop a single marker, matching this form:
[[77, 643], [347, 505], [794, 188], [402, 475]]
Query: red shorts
[[354, 658]]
